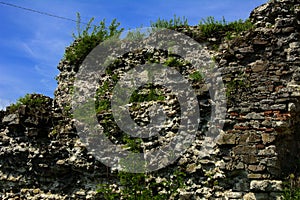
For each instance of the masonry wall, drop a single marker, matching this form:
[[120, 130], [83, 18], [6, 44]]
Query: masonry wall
[[42, 157], [262, 128]]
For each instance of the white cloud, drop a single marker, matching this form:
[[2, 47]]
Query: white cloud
[[47, 75], [4, 103], [28, 50], [33, 44], [42, 71], [44, 48]]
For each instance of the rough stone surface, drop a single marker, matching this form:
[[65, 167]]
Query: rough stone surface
[[42, 157]]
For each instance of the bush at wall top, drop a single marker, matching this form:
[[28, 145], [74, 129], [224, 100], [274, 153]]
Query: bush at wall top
[[89, 37], [210, 27], [28, 100], [172, 23]]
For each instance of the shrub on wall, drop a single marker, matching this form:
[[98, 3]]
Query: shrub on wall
[[89, 37]]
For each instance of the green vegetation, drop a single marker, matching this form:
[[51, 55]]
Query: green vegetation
[[138, 186], [170, 24], [233, 86], [291, 191], [142, 185], [135, 35], [210, 27], [102, 105], [29, 101], [239, 83], [196, 76], [151, 94], [133, 187], [103, 89], [174, 62], [134, 144], [68, 111], [53, 132], [89, 37]]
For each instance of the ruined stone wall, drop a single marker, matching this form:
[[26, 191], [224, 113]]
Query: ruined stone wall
[[41, 155], [261, 132]]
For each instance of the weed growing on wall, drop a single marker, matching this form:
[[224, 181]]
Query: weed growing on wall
[[138, 34], [196, 76], [150, 94], [142, 186], [170, 24], [291, 191], [88, 38], [29, 101], [138, 186], [210, 27]]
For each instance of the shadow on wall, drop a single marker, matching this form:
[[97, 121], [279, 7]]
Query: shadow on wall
[[288, 142]]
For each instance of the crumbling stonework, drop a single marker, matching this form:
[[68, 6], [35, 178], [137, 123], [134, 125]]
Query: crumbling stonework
[[42, 157]]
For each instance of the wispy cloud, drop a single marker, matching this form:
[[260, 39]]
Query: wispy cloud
[[14, 82], [4, 103], [47, 76], [32, 45], [27, 50], [42, 49], [33, 50]]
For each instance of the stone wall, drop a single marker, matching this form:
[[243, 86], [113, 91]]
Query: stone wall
[[261, 131], [41, 155]]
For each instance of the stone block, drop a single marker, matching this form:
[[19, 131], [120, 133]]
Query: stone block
[[249, 159], [245, 150], [233, 195], [268, 151], [262, 196], [266, 185], [258, 65], [255, 176], [249, 196], [255, 116], [256, 168], [12, 119], [224, 139]]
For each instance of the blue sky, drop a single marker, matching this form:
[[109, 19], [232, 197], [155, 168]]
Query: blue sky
[[32, 44]]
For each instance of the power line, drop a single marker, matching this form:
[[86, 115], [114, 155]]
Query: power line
[[39, 12]]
